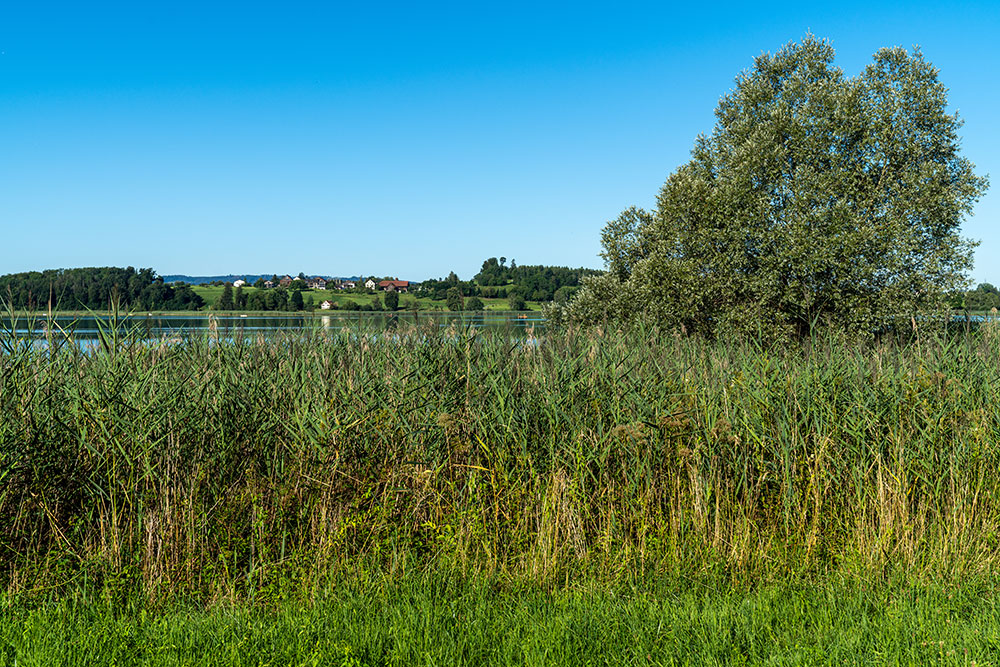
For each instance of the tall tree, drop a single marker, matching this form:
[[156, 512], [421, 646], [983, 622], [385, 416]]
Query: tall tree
[[225, 300], [817, 198], [391, 300], [454, 300]]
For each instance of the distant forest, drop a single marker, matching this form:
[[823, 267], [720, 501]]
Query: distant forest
[[143, 289], [95, 288]]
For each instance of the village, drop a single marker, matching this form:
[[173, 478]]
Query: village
[[319, 282], [370, 285]]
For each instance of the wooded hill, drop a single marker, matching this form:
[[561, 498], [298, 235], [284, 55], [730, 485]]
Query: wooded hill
[[95, 288]]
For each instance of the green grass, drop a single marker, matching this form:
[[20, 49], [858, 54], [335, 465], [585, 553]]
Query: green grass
[[212, 293], [432, 621]]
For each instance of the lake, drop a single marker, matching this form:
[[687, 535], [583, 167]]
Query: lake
[[233, 325]]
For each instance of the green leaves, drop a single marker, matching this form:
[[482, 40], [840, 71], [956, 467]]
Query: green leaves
[[817, 198]]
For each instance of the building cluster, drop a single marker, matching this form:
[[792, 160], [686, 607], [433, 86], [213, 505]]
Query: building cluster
[[319, 282], [316, 282]]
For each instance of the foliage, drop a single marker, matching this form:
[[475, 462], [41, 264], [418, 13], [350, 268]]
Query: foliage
[[516, 302], [818, 198], [391, 300], [536, 283], [453, 297], [95, 288], [474, 303], [984, 297], [226, 301]]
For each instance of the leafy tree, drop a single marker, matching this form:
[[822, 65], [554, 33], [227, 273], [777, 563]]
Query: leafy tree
[[296, 301], [391, 300], [298, 284], [225, 300], [984, 297], [277, 299], [493, 272], [563, 294], [239, 298], [256, 301], [454, 299], [516, 302], [475, 303], [259, 283], [817, 198]]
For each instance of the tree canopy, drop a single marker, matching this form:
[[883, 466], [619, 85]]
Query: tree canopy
[[95, 288], [818, 198]]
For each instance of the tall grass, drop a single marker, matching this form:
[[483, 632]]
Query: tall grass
[[256, 467]]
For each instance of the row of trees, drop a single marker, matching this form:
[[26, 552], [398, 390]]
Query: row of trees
[[279, 299], [96, 289], [984, 297], [532, 282]]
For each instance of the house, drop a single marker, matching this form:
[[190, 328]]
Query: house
[[268, 284], [286, 281], [370, 284], [316, 283], [326, 305], [239, 282], [394, 285], [347, 284]]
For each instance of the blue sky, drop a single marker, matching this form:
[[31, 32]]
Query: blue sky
[[407, 139]]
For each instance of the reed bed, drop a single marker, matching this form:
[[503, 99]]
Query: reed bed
[[267, 467]]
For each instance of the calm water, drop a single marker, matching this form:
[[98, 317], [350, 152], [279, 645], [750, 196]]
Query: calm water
[[154, 327]]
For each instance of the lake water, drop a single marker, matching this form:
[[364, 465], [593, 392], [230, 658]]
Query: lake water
[[229, 326]]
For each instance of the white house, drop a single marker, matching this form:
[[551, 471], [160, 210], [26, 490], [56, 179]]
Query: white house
[[370, 284], [326, 305], [239, 282]]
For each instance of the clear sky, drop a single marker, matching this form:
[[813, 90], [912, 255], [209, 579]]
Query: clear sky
[[407, 139]]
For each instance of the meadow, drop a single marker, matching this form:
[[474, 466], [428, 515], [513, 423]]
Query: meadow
[[468, 497], [211, 293]]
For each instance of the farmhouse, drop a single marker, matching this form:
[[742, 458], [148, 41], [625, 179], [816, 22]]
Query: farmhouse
[[268, 284], [316, 283], [370, 284], [394, 285], [326, 305], [286, 281], [239, 282]]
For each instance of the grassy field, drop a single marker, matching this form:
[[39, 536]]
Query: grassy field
[[598, 493], [434, 621], [212, 293]]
